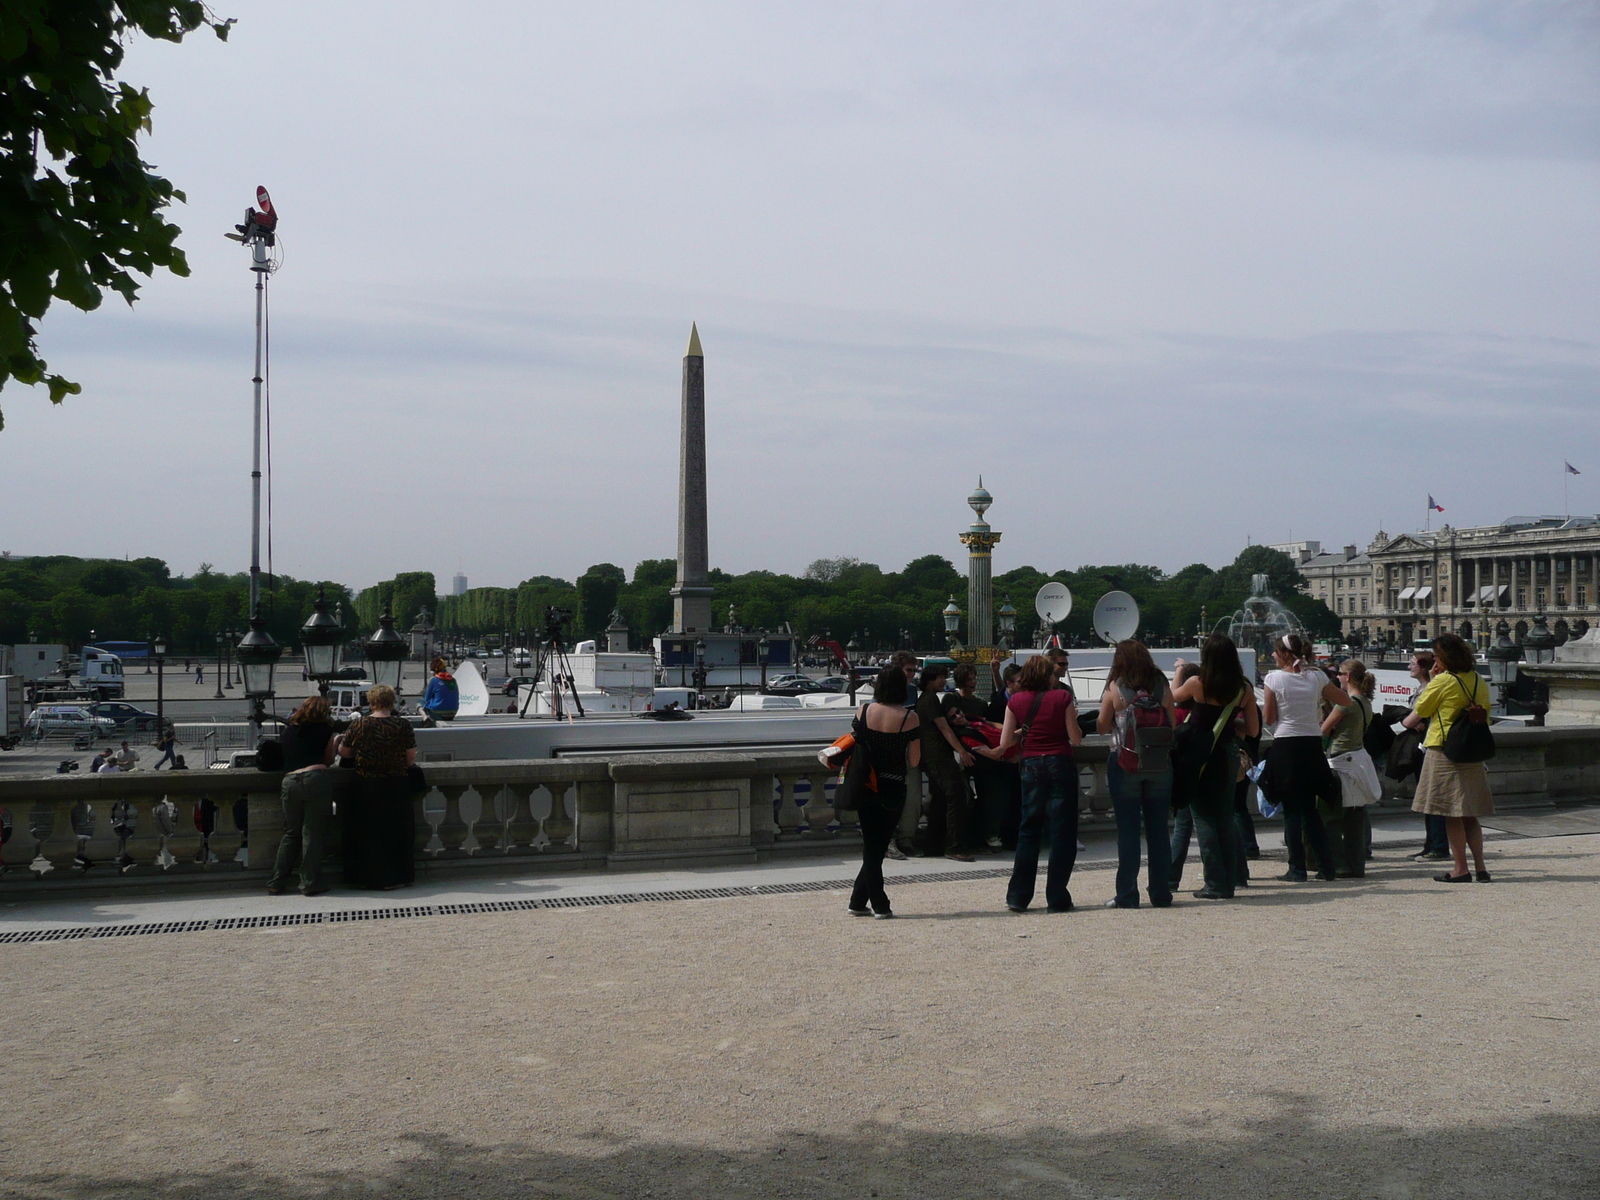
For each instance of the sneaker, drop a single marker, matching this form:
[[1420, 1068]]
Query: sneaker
[[1081, 847], [1436, 856], [1211, 894], [858, 912], [1017, 908], [886, 915], [895, 852], [958, 857], [993, 843], [1291, 877]]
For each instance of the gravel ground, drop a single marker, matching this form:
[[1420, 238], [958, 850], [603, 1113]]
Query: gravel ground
[[1390, 1037]]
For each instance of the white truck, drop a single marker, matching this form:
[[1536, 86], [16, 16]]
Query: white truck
[[10, 711], [48, 670]]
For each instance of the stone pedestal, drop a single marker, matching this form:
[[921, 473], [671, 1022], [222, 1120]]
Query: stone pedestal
[[1574, 681]]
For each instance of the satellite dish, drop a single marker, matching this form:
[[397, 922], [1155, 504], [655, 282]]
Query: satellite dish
[[1116, 617], [1053, 603]]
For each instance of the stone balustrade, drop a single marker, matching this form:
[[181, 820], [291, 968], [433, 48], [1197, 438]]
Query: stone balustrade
[[198, 828]]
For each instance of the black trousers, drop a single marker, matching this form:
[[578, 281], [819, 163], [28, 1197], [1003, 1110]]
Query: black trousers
[[880, 814], [947, 806]]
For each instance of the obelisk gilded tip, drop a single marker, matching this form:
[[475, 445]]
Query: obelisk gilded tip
[[694, 350]]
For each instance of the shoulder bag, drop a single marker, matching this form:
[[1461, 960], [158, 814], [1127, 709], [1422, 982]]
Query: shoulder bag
[[858, 776], [1468, 740]]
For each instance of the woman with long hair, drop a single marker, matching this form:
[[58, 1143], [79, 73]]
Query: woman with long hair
[[1137, 696], [307, 796], [1297, 772], [1458, 792], [1043, 718], [377, 818], [887, 732], [1345, 727], [1219, 688]]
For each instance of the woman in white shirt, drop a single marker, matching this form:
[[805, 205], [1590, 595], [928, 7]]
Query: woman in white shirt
[[1296, 772]]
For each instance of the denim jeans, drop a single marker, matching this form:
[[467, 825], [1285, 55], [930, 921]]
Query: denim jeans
[[1049, 792], [1178, 854], [1217, 831], [1141, 801], [1435, 841], [879, 814], [999, 787], [307, 805]]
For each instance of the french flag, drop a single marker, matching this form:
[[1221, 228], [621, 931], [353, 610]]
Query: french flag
[[1432, 507]]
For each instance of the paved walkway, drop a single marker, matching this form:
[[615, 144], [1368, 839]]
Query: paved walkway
[[1389, 1037]]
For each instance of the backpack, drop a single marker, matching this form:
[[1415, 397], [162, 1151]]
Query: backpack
[[1378, 737], [1468, 740], [1144, 741]]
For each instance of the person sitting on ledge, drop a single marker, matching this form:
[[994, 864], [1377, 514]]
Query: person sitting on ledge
[[443, 698]]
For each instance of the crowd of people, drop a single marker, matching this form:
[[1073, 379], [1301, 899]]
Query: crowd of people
[[1184, 752]]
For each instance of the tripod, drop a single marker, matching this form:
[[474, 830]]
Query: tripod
[[551, 657]]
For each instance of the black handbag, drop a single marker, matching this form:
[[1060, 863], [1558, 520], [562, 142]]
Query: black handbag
[[858, 777], [1192, 744], [1468, 740], [417, 782]]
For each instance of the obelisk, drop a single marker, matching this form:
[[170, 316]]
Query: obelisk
[[691, 596]]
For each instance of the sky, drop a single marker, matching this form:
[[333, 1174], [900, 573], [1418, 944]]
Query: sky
[[1173, 277]]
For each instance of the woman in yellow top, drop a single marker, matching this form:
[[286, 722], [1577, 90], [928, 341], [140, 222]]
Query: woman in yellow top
[[1458, 792]]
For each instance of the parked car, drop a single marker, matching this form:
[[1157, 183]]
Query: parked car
[[795, 687], [350, 673], [125, 716], [514, 683], [836, 683], [60, 720]]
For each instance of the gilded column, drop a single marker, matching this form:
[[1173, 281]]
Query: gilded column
[[980, 542]]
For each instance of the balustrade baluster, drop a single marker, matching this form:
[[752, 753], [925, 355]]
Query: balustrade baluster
[[521, 826], [558, 827], [54, 841], [489, 827], [97, 839], [786, 812], [169, 846], [451, 830], [471, 805]]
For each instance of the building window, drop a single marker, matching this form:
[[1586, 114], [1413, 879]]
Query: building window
[[1341, 603], [1522, 597], [1583, 595], [1538, 596], [1561, 595], [1363, 604]]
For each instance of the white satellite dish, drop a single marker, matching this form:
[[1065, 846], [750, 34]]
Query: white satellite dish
[[1116, 617], [472, 691], [1053, 603]]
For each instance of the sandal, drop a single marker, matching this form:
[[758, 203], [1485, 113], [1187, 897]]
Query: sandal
[[1448, 878]]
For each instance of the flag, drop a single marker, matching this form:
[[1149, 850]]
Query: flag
[[1572, 470], [1432, 507]]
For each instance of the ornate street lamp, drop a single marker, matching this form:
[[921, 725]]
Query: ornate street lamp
[[322, 638], [1503, 657], [1008, 623], [149, 653], [258, 656], [158, 647], [222, 639], [952, 621], [385, 653], [699, 665], [1539, 644], [763, 649]]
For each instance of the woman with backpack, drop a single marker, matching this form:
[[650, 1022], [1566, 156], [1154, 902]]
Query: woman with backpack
[[1296, 772], [1215, 696], [1345, 728], [1456, 791], [1137, 705], [1042, 717], [887, 734]]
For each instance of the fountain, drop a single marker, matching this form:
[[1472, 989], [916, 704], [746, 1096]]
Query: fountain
[[1261, 622]]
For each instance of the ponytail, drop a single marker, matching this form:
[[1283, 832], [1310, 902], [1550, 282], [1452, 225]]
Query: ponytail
[[1361, 679], [1294, 644]]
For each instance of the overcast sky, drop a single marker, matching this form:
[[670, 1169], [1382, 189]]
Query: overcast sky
[[1168, 275]]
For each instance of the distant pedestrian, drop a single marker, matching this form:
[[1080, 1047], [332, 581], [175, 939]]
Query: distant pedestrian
[[1456, 791], [889, 738], [166, 743], [1043, 719], [1296, 773], [126, 758], [1137, 698], [199, 673]]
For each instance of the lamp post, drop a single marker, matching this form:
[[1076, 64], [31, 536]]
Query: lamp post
[[321, 637], [149, 652], [221, 639], [952, 621], [158, 646], [1539, 644], [230, 636], [699, 665], [386, 653], [1503, 657], [1008, 624], [258, 656], [764, 648]]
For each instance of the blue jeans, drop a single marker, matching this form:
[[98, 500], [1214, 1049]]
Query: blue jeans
[[1182, 834], [1216, 829], [1049, 791], [1141, 801], [1435, 841]]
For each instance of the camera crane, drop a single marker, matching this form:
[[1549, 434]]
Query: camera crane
[[550, 660]]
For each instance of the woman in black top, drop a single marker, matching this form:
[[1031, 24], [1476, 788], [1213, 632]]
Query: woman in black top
[[886, 732], [307, 792], [378, 826]]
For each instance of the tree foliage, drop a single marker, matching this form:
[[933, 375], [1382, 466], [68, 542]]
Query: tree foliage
[[80, 212]]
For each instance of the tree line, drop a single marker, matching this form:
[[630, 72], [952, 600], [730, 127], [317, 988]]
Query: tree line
[[62, 599]]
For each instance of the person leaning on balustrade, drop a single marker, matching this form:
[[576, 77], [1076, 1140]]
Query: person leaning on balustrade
[[376, 818], [1458, 792], [307, 793]]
